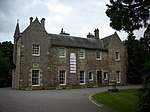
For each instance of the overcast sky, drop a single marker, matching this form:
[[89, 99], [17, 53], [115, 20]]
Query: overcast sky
[[77, 17]]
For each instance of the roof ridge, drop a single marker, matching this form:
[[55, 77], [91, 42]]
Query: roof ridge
[[78, 42]]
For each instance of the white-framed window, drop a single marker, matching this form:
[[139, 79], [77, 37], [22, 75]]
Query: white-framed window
[[118, 77], [36, 50], [117, 56], [73, 61], [82, 77], [35, 77], [105, 76], [81, 53], [62, 52], [90, 76], [62, 77], [98, 55]]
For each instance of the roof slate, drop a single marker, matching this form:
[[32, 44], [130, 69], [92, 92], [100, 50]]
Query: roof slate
[[78, 42], [17, 31], [106, 40]]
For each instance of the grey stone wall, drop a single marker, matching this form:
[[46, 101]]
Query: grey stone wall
[[116, 45], [49, 63], [34, 34], [89, 64]]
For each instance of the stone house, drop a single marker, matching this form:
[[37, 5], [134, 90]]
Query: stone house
[[45, 61]]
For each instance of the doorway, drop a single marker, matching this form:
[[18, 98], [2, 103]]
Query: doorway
[[99, 78]]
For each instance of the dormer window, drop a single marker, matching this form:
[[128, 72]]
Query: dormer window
[[81, 53], [117, 56], [36, 50]]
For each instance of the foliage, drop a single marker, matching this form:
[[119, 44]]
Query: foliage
[[137, 56], [128, 15], [112, 81], [123, 101], [144, 93], [4, 69], [6, 63]]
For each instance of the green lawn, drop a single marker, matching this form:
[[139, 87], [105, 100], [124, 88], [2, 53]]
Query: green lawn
[[123, 101]]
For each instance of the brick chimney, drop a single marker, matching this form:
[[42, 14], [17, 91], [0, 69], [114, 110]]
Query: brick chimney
[[31, 19], [43, 22], [96, 33]]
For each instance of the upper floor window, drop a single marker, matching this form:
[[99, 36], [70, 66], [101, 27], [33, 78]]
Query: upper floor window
[[117, 56], [62, 52], [98, 55], [81, 53], [36, 50]]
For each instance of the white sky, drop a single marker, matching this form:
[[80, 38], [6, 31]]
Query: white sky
[[77, 17]]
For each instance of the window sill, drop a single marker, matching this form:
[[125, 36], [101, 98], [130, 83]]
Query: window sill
[[62, 56], [81, 58], [35, 55], [35, 85], [82, 83], [98, 59], [90, 79], [62, 84]]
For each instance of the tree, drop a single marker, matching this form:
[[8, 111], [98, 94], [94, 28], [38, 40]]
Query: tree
[[6, 63], [138, 55], [4, 70], [144, 93], [128, 15]]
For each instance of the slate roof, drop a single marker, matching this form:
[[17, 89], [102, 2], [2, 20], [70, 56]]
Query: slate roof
[[78, 42], [17, 31], [106, 40]]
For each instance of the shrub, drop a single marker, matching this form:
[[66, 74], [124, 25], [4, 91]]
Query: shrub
[[144, 98]]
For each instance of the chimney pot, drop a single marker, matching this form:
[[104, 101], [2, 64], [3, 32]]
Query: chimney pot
[[90, 35], [31, 19], [43, 22]]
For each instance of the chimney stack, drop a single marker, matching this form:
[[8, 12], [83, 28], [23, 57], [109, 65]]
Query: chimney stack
[[96, 33], [63, 32], [31, 19], [43, 22], [90, 35]]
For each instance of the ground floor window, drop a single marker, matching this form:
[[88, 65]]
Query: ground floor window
[[105, 76], [82, 77], [35, 77], [62, 77], [90, 76], [118, 77]]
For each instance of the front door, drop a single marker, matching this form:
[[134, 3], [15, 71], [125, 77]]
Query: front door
[[99, 77]]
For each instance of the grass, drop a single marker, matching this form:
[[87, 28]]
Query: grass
[[123, 101]]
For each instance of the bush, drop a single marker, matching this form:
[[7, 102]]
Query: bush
[[2, 82], [144, 98]]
